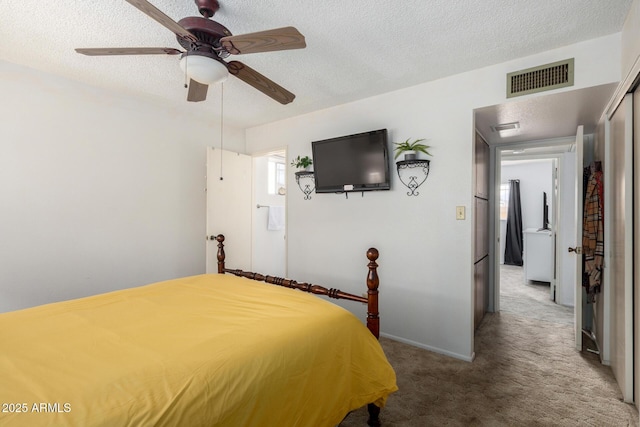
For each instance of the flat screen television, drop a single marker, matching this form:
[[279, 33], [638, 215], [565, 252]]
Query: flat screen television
[[358, 162], [545, 212]]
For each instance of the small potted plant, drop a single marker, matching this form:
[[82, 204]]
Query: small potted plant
[[303, 163], [411, 148]]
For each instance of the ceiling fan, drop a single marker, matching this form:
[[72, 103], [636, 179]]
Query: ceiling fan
[[207, 43]]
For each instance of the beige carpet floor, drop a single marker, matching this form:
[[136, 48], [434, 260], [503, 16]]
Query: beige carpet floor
[[526, 373]]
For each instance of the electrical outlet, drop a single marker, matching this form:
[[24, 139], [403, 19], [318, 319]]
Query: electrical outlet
[[459, 212]]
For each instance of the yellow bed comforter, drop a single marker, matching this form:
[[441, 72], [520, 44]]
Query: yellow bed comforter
[[208, 350]]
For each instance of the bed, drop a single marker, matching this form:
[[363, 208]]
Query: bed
[[206, 350]]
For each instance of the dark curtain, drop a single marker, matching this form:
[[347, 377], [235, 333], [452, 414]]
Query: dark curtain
[[513, 244]]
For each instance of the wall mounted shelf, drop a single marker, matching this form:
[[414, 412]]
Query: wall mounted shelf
[[412, 174], [306, 182]]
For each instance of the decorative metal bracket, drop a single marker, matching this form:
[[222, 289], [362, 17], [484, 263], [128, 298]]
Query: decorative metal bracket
[[306, 182], [408, 178]]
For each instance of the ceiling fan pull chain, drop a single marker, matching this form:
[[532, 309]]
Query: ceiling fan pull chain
[[186, 73], [221, 124]]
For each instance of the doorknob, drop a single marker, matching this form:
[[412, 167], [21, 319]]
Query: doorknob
[[577, 250]]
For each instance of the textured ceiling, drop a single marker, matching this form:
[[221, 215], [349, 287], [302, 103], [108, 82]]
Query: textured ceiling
[[355, 48], [556, 115]]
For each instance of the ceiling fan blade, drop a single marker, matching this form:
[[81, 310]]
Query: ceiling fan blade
[[260, 82], [197, 91], [264, 41], [100, 51], [156, 14]]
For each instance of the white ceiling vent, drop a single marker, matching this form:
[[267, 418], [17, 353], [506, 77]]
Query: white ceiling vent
[[539, 79]]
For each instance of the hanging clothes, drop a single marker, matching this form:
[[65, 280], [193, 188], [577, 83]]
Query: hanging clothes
[[593, 231]]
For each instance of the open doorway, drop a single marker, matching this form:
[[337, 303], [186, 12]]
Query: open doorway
[[544, 126], [543, 285], [548, 115], [530, 285], [269, 213]]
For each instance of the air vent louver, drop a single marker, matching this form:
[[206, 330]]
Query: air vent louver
[[539, 79]]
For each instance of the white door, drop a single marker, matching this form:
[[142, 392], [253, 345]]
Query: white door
[[229, 211], [576, 247], [553, 215], [619, 246]]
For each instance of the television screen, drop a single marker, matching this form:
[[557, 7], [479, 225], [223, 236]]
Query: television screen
[[357, 162], [545, 212]]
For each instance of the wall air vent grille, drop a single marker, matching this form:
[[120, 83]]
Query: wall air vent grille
[[539, 79]]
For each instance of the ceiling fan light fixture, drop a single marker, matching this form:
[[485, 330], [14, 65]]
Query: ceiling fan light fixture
[[203, 68], [207, 43]]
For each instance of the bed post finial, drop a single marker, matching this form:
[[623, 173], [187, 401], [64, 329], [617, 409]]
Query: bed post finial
[[373, 315], [221, 255]]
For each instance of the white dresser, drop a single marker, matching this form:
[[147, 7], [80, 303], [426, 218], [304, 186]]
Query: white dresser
[[538, 255]]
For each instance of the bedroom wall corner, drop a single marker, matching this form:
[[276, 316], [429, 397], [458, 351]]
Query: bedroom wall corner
[[99, 191]]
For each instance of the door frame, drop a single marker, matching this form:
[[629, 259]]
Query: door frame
[[255, 202]]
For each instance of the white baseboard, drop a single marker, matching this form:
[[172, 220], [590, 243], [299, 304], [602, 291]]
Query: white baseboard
[[468, 358]]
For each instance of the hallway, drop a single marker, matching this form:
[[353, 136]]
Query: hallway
[[529, 299]]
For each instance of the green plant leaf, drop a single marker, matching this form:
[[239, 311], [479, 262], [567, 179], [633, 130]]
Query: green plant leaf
[[408, 145], [301, 162]]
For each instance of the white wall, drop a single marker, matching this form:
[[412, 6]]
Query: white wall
[[97, 192], [536, 177], [425, 253]]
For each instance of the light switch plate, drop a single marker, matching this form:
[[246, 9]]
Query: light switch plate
[[459, 212]]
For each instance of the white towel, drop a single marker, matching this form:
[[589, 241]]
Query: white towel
[[276, 218]]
